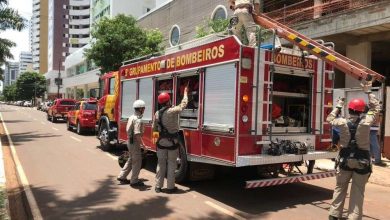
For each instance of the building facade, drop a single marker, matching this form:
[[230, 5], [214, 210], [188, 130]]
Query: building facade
[[25, 62], [69, 30], [11, 73], [39, 32], [81, 77]]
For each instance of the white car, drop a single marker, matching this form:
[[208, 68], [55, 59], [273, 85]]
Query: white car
[[27, 104]]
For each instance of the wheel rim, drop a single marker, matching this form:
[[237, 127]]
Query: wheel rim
[[78, 127], [104, 136]]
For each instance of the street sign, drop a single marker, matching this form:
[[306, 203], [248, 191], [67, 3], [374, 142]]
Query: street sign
[[58, 81]]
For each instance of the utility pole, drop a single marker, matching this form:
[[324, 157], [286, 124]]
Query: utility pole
[[59, 80]]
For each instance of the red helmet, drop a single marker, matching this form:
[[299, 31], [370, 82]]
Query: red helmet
[[163, 98], [357, 105]]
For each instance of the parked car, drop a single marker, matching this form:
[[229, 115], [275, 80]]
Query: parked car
[[46, 105], [27, 104], [82, 116], [59, 109]]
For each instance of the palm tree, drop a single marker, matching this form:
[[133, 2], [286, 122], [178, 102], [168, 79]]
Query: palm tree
[[9, 19]]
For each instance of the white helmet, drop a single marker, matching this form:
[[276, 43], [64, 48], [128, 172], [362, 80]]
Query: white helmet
[[139, 104]]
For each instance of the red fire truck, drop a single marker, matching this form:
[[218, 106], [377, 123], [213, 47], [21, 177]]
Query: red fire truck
[[244, 104]]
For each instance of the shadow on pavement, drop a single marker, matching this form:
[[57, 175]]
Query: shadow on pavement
[[94, 204], [20, 138], [14, 121]]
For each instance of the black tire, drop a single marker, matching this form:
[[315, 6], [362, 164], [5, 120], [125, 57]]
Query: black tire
[[104, 137], [53, 119], [79, 129], [68, 125], [181, 173]]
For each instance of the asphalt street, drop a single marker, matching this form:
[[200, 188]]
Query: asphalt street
[[70, 177]]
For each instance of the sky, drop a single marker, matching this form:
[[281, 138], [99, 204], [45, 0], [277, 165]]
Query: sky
[[20, 38]]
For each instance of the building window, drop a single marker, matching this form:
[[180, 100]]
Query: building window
[[174, 36], [219, 12]]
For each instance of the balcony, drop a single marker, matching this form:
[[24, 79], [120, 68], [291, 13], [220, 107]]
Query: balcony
[[79, 12], [307, 10], [79, 31], [85, 21], [79, 3]]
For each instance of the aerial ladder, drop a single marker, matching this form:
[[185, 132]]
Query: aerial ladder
[[344, 64]]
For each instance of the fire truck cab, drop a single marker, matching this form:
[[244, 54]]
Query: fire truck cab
[[247, 106]]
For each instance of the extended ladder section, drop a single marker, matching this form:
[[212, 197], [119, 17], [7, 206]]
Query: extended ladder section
[[339, 61]]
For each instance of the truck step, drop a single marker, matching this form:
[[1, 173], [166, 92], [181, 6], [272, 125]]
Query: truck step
[[291, 179]]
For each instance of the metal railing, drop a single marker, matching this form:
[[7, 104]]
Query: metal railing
[[307, 10]]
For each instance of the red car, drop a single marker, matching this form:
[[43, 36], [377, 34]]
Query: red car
[[82, 116], [59, 109]]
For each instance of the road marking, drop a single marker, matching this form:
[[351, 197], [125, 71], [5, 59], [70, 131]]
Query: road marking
[[55, 128], [223, 210], [36, 214], [112, 157], [43, 123], [76, 139]]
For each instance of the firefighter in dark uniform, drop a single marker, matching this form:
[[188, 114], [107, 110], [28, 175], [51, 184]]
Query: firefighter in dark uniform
[[166, 123], [353, 161]]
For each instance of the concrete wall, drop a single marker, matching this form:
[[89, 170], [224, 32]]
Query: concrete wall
[[187, 14]]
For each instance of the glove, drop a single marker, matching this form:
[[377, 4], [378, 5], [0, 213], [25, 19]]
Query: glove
[[340, 103], [366, 86]]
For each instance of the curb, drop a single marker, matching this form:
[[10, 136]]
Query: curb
[[2, 183]]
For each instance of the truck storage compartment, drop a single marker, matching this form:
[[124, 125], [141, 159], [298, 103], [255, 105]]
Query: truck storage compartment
[[291, 103]]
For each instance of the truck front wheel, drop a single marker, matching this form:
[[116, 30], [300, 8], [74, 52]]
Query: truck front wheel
[[104, 137]]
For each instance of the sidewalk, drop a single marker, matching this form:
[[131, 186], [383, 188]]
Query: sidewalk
[[379, 176]]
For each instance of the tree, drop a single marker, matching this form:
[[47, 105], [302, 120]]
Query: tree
[[30, 85], [210, 26], [9, 92], [120, 39], [9, 19]]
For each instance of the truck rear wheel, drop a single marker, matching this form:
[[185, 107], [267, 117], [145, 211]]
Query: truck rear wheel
[[181, 172], [104, 137]]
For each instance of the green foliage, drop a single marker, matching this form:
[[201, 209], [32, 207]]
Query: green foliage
[[9, 19], [9, 92], [30, 85], [210, 26], [120, 39]]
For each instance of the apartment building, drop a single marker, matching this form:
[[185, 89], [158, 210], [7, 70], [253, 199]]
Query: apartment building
[[25, 62], [69, 30], [81, 77], [39, 35], [11, 73]]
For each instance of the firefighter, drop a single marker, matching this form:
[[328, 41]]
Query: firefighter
[[135, 130], [353, 161], [166, 123], [243, 10]]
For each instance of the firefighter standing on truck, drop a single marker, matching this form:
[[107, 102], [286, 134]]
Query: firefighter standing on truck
[[135, 130], [243, 10], [166, 122], [354, 160]]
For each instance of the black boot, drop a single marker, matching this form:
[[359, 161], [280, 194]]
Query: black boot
[[332, 217]]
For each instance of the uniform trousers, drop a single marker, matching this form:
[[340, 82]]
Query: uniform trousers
[[167, 164], [355, 210], [245, 19], [134, 163]]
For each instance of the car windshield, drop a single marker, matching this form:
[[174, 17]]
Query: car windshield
[[89, 106], [67, 103]]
